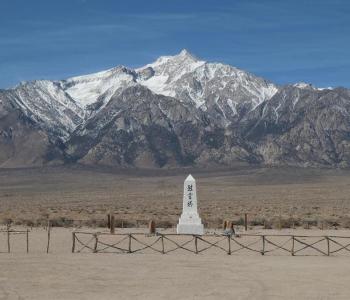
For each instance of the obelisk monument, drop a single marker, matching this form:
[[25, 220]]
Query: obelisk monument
[[190, 222]]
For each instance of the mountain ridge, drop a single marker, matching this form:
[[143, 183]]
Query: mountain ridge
[[178, 111]]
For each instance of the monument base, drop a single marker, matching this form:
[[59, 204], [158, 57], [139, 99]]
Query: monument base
[[190, 224], [190, 229]]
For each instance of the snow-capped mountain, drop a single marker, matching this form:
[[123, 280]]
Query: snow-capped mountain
[[178, 110], [185, 77], [60, 106]]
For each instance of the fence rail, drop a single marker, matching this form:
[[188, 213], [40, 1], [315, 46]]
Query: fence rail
[[101, 242]]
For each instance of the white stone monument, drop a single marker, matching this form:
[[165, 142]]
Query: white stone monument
[[190, 222]]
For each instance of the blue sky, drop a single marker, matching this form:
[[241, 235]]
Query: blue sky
[[283, 41]]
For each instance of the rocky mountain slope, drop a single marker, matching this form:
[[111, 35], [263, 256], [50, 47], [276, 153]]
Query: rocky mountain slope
[[176, 111]]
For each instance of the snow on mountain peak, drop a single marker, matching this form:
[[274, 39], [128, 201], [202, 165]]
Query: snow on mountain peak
[[183, 56], [86, 89], [186, 53], [182, 76], [184, 61], [167, 70], [304, 85], [157, 76]]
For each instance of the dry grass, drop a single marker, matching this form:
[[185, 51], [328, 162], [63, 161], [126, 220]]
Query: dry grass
[[81, 196]]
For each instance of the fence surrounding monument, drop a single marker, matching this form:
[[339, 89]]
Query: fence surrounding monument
[[101, 242], [264, 244]]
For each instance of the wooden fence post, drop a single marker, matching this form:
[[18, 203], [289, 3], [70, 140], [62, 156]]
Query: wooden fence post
[[73, 244], [112, 223], [48, 236], [109, 221], [8, 240], [224, 225], [96, 242], [27, 237], [196, 243], [152, 227], [328, 246], [229, 244], [246, 222], [163, 250], [129, 243], [292, 245], [263, 245]]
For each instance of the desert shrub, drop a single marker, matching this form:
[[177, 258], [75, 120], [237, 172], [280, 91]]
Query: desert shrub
[[277, 223], [297, 222], [307, 224], [78, 223], [7, 221], [142, 223], [257, 222], [268, 224], [345, 222], [61, 222], [19, 222], [164, 224], [333, 223], [313, 222], [216, 222], [240, 221], [29, 223], [125, 223], [25, 222], [41, 222], [289, 223], [101, 223]]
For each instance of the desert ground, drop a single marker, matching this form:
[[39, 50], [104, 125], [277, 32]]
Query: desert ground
[[61, 274], [273, 198], [78, 198]]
